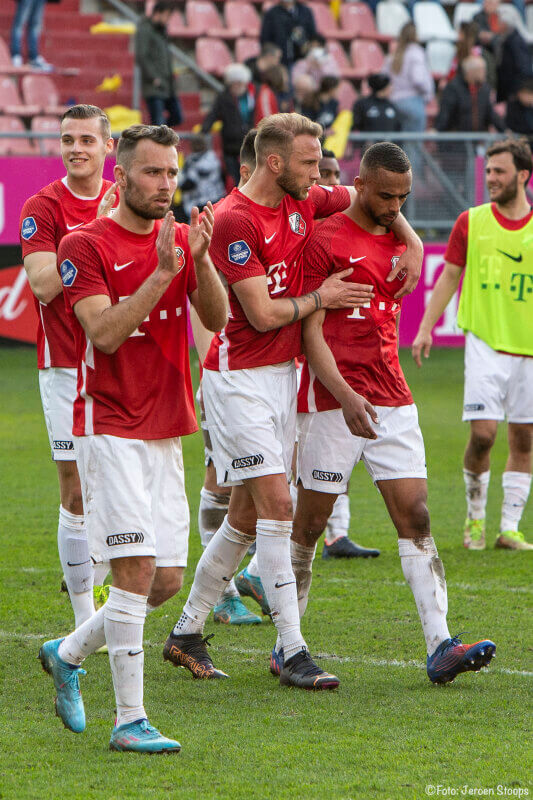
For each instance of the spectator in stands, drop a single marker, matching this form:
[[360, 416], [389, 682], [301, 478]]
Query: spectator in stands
[[270, 56], [376, 113], [234, 108], [323, 105], [318, 63], [274, 87], [154, 60], [466, 46], [519, 117], [412, 83], [330, 173], [466, 103], [291, 26], [200, 179], [488, 24], [513, 61], [303, 86], [29, 13]]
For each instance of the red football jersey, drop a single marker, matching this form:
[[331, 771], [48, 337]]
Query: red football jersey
[[45, 218], [143, 390], [363, 340], [250, 240]]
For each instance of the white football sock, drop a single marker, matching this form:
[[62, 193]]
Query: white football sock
[[516, 486], [302, 566], [213, 508], [76, 562], [101, 571], [274, 560], [84, 640], [252, 568], [214, 571], [339, 519], [424, 572], [477, 487], [124, 615]]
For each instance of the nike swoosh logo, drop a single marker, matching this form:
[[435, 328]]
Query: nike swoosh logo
[[354, 260], [226, 579], [134, 653], [118, 267], [279, 585], [71, 227], [267, 241], [518, 259], [79, 564]]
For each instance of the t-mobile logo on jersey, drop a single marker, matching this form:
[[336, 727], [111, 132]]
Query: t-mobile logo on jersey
[[380, 305], [275, 275], [161, 313]]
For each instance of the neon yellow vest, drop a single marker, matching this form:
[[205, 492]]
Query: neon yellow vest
[[497, 295]]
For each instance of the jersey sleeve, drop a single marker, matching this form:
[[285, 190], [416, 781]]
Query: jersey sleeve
[[38, 226], [458, 241], [317, 259], [328, 200], [234, 247], [80, 269]]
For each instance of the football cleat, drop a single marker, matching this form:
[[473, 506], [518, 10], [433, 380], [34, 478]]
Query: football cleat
[[512, 540], [343, 547], [68, 702], [251, 586], [453, 657], [276, 661], [190, 651], [474, 534], [232, 611], [141, 737], [301, 671]]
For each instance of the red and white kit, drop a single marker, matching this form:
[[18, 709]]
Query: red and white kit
[[45, 219], [132, 405], [249, 380], [364, 344]]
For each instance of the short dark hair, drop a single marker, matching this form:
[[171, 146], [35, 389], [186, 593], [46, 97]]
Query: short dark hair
[[328, 82], [520, 151], [85, 111], [247, 151], [269, 49], [386, 155], [161, 6], [130, 138], [276, 134], [328, 153]]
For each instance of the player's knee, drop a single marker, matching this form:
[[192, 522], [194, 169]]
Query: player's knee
[[520, 439], [72, 500], [315, 526], [419, 522], [482, 441]]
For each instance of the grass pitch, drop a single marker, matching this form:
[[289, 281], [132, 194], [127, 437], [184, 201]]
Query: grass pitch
[[387, 732]]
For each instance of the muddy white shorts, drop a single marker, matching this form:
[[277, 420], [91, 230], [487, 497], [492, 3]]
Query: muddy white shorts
[[58, 392], [134, 498], [328, 452]]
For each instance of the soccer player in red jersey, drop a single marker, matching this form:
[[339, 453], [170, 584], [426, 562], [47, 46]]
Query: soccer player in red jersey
[[127, 279], [63, 206], [249, 380], [354, 353]]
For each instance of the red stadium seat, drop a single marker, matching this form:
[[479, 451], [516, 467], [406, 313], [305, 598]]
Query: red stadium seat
[[10, 101], [346, 70], [41, 91], [202, 16], [246, 48], [347, 96], [177, 28], [212, 55], [326, 23], [367, 57], [47, 147], [243, 17], [357, 21], [14, 145]]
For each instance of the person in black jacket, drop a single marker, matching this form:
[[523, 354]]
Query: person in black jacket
[[465, 103], [154, 59], [376, 113], [289, 25], [513, 62], [519, 117]]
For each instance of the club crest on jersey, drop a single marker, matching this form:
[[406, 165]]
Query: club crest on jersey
[[68, 272], [297, 224], [239, 252], [28, 228], [402, 273], [180, 256]]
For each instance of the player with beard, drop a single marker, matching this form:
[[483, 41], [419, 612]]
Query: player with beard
[[249, 381], [60, 207], [354, 353], [127, 280], [492, 246]]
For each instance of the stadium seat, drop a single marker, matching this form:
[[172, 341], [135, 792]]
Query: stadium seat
[[391, 16], [347, 95], [177, 29], [14, 145], [41, 91], [357, 21], [6, 67], [243, 17], [47, 147], [246, 48], [326, 23], [10, 101], [212, 55], [367, 57], [440, 54], [518, 22], [346, 70], [202, 16], [464, 12], [432, 22]]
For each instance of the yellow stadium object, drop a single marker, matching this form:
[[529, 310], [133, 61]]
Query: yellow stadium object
[[335, 8], [111, 84], [106, 27], [341, 128], [122, 117]]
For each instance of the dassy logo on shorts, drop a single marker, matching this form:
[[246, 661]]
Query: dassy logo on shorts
[[58, 445], [135, 537], [247, 461], [239, 252], [474, 407], [68, 272], [28, 229], [331, 477], [297, 224]]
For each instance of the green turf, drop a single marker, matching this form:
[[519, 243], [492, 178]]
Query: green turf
[[386, 733]]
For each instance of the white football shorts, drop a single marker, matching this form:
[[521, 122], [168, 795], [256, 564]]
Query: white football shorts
[[134, 498], [208, 448], [251, 420], [328, 452], [58, 392], [497, 385]]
